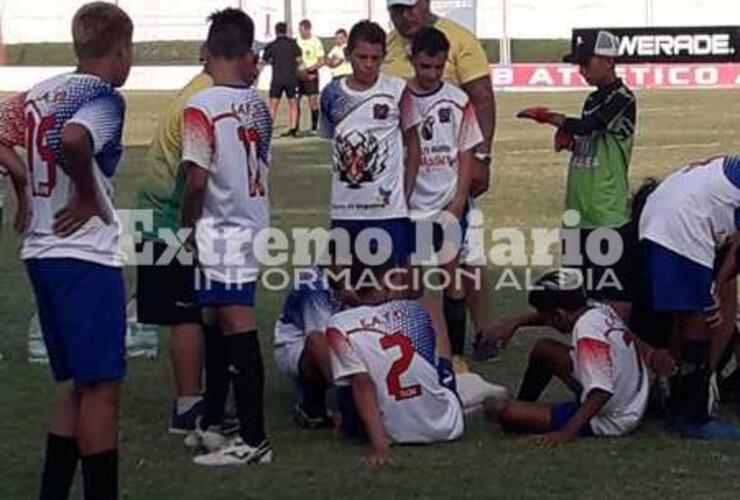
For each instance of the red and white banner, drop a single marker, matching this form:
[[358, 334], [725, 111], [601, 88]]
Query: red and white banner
[[538, 77]]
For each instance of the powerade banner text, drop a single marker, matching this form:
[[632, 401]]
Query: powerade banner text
[[675, 45]]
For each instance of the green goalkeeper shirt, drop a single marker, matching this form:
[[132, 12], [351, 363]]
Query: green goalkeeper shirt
[[598, 187]]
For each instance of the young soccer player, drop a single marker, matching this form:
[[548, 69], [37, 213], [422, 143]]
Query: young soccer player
[[603, 366], [72, 126], [226, 152], [301, 351], [371, 119], [601, 143], [449, 133], [12, 136], [385, 352], [689, 217]]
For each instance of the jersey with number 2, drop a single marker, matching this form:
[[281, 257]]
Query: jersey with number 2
[[394, 344]]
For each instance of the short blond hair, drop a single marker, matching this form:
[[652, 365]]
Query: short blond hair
[[98, 27]]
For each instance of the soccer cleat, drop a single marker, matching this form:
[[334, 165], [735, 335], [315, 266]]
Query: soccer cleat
[[710, 429], [237, 452], [474, 391], [460, 365], [305, 421], [211, 438], [185, 423]]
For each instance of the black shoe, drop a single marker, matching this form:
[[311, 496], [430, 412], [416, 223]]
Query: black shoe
[[290, 133], [304, 420]]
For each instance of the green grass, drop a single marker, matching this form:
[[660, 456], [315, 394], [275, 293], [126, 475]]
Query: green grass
[[528, 192]]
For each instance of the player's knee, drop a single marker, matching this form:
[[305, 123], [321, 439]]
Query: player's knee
[[506, 414], [543, 349]]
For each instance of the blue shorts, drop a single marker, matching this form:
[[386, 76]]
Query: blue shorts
[[82, 312], [674, 282], [561, 413], [215, 293], [400, 231]]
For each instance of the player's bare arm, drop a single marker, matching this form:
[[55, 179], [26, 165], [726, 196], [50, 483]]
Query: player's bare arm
[[17, 171], [590, 407], [196, 182], [77, 148], [412, 144], [363, 391], [480, 92], [466, 165]]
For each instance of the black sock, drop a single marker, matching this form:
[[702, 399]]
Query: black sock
[[217, 376], [314, 119], [100, 475], [60, 463], [690, 387], [536, 378], [313, 392], [248, 376], [455, 316]]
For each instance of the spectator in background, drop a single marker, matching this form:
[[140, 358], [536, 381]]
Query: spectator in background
[[284, 55], [467, 67], [337, 59], [313, 59]]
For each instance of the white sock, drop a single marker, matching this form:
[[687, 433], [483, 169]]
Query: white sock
[[185, 403]]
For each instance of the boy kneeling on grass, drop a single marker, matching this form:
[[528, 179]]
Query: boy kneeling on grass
[[604, 365]]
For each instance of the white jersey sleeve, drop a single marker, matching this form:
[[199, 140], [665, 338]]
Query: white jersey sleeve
[[197, 137], [345, 362], [410, 112], [102, 118], [593, 357]]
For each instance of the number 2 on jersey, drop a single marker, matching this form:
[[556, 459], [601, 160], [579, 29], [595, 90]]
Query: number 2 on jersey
[[393, 379], [41, 184]]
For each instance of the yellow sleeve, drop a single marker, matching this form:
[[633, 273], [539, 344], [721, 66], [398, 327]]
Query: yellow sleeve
[[319, 48], [469, 57]]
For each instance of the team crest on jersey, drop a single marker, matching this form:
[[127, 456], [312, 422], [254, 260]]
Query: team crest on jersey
[[427, 128], [445, 115], [381, 111], [358, 158]]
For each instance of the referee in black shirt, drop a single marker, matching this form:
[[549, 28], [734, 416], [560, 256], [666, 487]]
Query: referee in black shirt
[[285, 56]]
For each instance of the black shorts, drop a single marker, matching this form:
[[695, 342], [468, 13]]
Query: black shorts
[[165, 294], [287, 87], [309, 87], [615, 282]]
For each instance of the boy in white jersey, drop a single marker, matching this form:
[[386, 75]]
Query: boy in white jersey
[[385, 351], [72, 125], [371, 120], [449, 132], [686, 222], [226, 153], [603, 366]]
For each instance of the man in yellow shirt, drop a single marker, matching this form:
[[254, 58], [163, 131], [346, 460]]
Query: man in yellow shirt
[[313, 60], [468, 68], [337, 59]]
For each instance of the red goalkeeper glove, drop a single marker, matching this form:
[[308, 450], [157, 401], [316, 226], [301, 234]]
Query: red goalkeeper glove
[[563, 140], [540, 114]]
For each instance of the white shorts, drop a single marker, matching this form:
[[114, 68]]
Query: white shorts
[[288, 357]]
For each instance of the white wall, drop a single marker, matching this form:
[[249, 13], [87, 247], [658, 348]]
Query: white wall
[[49, 20]]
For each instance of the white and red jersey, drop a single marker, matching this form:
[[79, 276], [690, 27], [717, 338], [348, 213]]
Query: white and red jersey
[[448, 127], [51, 105], [227, 131], [395, 344], [367, 129], [605, 357], [694, 210]]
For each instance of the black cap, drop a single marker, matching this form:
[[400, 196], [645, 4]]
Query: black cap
[[586, 44]]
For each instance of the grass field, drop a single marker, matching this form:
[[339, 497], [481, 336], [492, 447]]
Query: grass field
[[528, 192]]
